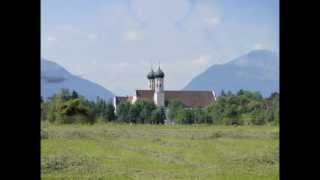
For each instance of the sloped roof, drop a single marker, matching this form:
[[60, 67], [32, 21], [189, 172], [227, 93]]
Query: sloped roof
[[145, 95], [188, 98], [120, 99]]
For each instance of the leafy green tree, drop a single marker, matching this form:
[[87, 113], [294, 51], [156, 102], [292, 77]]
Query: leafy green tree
[[75, 110], [158, 116], [155, 116], [232, 115], [174, 108], [122, 112], [134, 113], [146, 109], [62, 108], [44, 110], [100, 107], [162, 115], [109, 112], [240, 92]]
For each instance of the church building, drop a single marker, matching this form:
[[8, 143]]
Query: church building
[[159, 96]]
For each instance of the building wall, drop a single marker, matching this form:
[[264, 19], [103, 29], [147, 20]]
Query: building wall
[[159, 98]]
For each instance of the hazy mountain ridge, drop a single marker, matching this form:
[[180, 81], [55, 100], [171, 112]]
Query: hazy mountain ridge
[[257, 71], [54, 78]]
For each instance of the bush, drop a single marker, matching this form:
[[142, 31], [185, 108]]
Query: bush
[[158, 116], [64, 109]]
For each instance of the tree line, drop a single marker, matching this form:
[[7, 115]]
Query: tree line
[[67, 107], [241, 108]]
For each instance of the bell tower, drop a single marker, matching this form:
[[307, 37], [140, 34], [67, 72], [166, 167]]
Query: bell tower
[[159, 88], [151, 79]]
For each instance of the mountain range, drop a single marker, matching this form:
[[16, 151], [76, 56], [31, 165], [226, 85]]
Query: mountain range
[[54, 78], [257, 70]]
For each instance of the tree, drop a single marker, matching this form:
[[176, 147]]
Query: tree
[[229, 93], [232, 116], [74, 95], [223, 93], [62, 108], [174, 107], [155, 116], [75, 110], [162, 115], [100, 108], [44, 110], [240, 92], [158, 116], [122, 112], [134, 113], [274, 95], [64, 94], [109, 112], [146, 109]]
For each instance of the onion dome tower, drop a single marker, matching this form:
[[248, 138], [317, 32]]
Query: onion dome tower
[[159, 88], [159, 73], [151, 78]]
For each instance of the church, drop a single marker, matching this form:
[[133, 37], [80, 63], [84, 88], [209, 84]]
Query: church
[[159, 96]]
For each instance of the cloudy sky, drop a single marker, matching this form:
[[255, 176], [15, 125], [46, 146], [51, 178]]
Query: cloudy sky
[[114, 42]]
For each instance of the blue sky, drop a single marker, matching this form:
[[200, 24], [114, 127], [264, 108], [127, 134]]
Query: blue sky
[[114, 42]]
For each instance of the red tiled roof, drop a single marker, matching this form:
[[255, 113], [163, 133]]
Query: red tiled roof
[[120, 99], [145, 95], [188, 98]]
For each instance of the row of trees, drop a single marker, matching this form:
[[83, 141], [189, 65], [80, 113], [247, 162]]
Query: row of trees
[[243, 107], [68, 107], [140, 112]]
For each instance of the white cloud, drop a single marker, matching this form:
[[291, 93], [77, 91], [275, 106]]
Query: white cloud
[[50, 38], [211, 22], [133, 35], [202, 60], [92, 36], [94, 62], [257, 46], [123, 64], [155, 11]]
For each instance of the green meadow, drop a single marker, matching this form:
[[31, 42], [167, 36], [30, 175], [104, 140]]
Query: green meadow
[[124, 151]]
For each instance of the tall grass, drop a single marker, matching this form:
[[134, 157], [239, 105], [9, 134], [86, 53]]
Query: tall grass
[[123, 151]]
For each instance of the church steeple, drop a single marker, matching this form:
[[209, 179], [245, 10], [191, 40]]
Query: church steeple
[[151, 77], [159, 87]]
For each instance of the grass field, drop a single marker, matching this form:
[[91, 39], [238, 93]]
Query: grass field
[[115, 151]]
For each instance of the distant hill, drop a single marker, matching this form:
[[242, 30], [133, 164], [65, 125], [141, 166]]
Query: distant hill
[[54, 78], [257, 71]]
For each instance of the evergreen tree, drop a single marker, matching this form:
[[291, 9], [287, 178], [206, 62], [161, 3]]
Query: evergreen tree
[[223, 93], [64, 94], [240, 92], [162, 115], [122, 112], [109, 114], [74, 95], [229, 93]]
